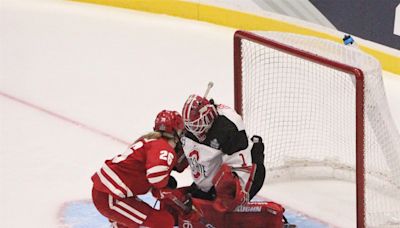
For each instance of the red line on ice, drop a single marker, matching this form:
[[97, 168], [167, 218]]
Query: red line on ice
[[64, 118]]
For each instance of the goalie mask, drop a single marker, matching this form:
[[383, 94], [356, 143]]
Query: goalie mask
[[169, 123], [198, 115]]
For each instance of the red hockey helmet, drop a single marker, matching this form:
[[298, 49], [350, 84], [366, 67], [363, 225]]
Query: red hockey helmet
[[169, 122], [198, 115]]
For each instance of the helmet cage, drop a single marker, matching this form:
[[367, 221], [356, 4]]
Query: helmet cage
[[198, 115]]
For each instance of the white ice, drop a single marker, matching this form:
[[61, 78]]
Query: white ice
[[84, 79]]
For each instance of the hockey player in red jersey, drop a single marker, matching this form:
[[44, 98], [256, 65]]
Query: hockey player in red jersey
[[227, 167], [146, 165]]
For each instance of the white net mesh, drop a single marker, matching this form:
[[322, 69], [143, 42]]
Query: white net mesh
[[306, 112]]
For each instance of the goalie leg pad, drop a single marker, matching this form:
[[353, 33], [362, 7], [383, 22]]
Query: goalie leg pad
[[229, 190], [224, 182], [258, 214]]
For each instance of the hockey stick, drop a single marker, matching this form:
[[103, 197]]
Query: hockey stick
[[209, 86]]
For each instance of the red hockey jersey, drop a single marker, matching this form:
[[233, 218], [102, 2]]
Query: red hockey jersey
[[147, 163]]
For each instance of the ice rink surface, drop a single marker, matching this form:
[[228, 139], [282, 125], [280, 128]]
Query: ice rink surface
[[79, 81]]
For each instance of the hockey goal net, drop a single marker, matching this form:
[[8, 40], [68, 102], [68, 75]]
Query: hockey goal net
[[321, 109]]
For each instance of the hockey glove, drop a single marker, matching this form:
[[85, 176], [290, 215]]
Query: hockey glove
[[182, 163], [257, 151], [172, 183]]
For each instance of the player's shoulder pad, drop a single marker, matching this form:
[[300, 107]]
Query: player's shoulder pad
[[231, 115]]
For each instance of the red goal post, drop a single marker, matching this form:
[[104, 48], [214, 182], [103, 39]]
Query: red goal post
[[281, 79]]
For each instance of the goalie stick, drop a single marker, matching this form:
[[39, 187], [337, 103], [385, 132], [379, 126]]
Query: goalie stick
[[209, 86]]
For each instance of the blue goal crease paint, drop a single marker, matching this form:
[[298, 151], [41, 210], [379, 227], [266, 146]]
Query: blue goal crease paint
[[83, 214]]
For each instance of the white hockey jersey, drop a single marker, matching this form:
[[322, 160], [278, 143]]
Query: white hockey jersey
[[226, 142]]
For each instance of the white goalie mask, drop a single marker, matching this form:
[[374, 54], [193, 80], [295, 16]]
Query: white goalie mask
[[198, 115]]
